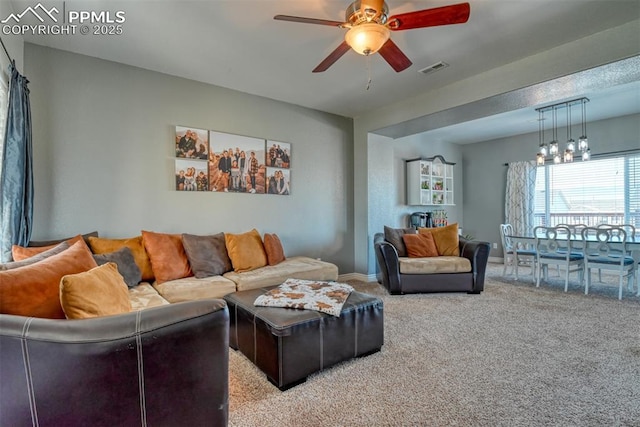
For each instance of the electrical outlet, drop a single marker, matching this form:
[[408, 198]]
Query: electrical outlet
[[495, 245]]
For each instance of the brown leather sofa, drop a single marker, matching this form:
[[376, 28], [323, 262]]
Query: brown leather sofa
[[164, 366], [391, 276]]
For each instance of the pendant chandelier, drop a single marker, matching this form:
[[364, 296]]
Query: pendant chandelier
[[551, 151]]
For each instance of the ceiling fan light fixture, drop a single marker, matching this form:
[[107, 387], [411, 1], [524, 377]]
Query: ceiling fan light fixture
[[367, 38]]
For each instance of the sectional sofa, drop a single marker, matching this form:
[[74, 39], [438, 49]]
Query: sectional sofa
[[148, 339]]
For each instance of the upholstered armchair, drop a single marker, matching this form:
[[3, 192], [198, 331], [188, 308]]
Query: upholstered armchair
[[403, 275], [164, 366]]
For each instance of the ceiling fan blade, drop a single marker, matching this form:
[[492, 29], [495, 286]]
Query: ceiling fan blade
[[333, 57], [394, 56], [308, 20], [446, 15]]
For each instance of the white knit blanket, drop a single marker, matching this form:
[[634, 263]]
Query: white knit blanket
[[326, 297]]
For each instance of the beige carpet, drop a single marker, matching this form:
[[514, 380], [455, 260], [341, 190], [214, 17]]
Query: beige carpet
[[515, 355]]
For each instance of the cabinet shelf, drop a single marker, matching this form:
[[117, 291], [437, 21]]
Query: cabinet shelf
[[430, 182]]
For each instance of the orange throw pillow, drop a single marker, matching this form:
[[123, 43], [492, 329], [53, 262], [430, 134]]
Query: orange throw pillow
[[105, 246], [420, 245], [34, 290], [446, 239], [245, 250], [20, 253], [168, 259], [273, 248]]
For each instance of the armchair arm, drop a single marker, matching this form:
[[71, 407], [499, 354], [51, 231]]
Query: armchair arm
[[387, 258], [478, 253], [162, 366]]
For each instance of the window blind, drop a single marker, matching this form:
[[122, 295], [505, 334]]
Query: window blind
[[594, 192]]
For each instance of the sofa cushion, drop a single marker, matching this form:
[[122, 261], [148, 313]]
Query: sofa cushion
[[394, 236], [36, 258], [102, 246], [446, 239], [144, 296], [420, 245], [273, 248], [34, 290], [432, 265], [100, 291], [207, 254], [126, 263], [192, 288], [246, 250], [168, 259], [20, 253], [293, 267]]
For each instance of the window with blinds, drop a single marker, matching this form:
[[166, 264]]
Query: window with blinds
[[594, 192]]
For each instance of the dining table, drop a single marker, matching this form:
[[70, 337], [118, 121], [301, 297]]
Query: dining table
[[632, 244]]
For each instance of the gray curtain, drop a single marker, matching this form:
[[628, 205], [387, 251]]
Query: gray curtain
[[16, 181], [520, 197]]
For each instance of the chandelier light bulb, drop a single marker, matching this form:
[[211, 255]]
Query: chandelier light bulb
[[556, 158], [553, 147]]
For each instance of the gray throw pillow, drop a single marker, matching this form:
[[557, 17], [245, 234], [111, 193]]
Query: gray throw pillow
[[39, 257], [207, 254], [126, 263], [394, 236]]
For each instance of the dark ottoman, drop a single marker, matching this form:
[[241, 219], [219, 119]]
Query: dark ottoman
[[288, 344]]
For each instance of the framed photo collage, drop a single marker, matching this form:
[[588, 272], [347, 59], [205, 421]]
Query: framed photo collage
[[208, 160]]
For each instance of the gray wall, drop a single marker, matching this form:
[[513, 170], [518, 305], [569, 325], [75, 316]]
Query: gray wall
[[483, 163], [103, 158]]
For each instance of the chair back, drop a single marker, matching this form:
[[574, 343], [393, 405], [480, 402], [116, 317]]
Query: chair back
[[506, 230], [605, 245], [553, 241], [574, 229], [628, 228]]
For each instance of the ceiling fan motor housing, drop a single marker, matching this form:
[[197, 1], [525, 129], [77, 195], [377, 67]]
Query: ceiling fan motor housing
[[355, 15]]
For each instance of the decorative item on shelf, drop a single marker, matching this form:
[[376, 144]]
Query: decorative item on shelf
[[552, 149], [440, 218]]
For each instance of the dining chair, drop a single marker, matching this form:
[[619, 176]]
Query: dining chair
[[574, 229], [515, 254], [605, 249], [630, 229], [554, 247]]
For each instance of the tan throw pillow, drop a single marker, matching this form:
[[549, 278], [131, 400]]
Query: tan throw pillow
[[446, 239], [168, 259], [420, 245], [100, 291], [20, 253], [34, 290], [105, 246], [246, 250], [273, 248]]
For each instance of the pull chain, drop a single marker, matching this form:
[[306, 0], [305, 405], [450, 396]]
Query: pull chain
[[368, 71]]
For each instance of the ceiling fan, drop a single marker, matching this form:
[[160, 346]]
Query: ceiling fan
[[370, 29]]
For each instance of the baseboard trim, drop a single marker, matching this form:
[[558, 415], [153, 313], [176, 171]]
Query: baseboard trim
[[357, 276]]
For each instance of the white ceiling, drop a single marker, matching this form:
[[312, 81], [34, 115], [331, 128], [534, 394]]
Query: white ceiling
[[237, 44]]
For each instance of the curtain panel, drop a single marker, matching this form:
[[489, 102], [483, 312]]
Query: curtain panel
[[16, 181], [520, 197]]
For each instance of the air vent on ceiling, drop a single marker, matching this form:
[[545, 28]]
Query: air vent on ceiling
[[434, 67]]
